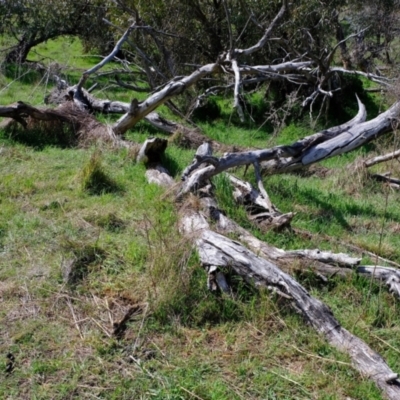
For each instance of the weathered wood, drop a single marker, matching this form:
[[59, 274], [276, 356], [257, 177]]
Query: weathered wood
[[159, 176], [236, 90], [323, 263], [260, 208], [282, 68], [188, 137], [152, 150], [393, 182], [217, 250], [390, 276], [352, 138], [224, 225], [114, 51], [381, 159], [351, 247], [175, 87], [292, 156], [203, 151], [20, 111], [151, 154]]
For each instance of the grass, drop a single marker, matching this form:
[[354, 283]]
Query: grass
[[93, 210]]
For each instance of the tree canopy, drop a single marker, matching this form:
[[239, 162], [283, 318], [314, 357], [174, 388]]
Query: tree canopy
[[30, 23]]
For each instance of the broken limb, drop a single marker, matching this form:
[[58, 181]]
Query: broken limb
[[217, 251], [311, 149]]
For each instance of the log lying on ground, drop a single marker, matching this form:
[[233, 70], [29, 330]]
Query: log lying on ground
[[76, 112], [390, 276], [380, 159], [386, 177], [292, 156], [351, 247], [182, 135], [324, 263], [20, 111], [84, 128], [392, 182], [217, 251], [138, 110], [353, 137]]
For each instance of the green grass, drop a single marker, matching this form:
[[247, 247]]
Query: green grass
[[93, 208]]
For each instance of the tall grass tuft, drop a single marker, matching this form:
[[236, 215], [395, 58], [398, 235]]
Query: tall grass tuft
[[223, 193], [94, 178]]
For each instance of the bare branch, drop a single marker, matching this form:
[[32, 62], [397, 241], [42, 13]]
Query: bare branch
[[139, 110], [236, 91], [375, 78], [381, 159], [267, 33], [329, 57], [306, 151], [113, 52]]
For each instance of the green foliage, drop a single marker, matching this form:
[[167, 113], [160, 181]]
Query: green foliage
[[32, 23], [223, 194]]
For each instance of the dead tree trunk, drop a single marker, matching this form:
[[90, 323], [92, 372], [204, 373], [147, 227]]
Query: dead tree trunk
[[217, 251], [300, 154]]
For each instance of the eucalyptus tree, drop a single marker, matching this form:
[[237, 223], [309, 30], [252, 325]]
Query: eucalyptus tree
[[31, 22]]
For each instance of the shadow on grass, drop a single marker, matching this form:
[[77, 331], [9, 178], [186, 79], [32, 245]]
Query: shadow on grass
[[41, 134], [170, 164], [329, 208], [24, 73], [94, 178]]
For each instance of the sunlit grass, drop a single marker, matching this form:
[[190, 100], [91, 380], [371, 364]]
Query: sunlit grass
[[127, 244]]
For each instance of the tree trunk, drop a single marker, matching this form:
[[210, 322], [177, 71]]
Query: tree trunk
[[217, 251], [19, 53]]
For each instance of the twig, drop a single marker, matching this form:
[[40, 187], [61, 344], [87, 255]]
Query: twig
[[137, 362], [75, 319], [385, 342], [101, 327], [291, 380], [109, 313], [191, 393], [321, 358]]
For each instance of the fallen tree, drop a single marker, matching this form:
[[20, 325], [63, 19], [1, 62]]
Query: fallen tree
[[218, 253], [252, 259]]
